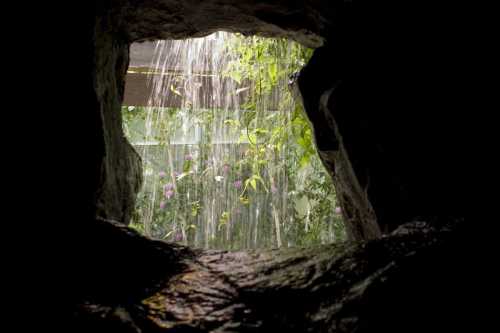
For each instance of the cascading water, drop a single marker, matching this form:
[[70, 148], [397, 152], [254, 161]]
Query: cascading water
[[220, 167]]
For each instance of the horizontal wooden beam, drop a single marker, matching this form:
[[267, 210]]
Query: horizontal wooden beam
[[199, 90]]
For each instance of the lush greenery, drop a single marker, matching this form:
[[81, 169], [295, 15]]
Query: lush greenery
[[244, 179]]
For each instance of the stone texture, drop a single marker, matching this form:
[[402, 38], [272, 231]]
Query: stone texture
[[305, 21], [121, 171], [382, 285], [384, 94], [317, 91], [380, 99]]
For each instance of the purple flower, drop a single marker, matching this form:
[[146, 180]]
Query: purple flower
[[162, 204], [169, 194], [226, 168], [178, 237], [273, 188], [338, 210], [168, 187], [188, 157], [238, 184], [162, 174]]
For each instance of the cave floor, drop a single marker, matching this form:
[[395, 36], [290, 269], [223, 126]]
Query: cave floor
[[297, 289]]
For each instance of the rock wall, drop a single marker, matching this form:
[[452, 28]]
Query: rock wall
[[310, 23], [121, 171], [378, 93], [384, 94], [305, 21]]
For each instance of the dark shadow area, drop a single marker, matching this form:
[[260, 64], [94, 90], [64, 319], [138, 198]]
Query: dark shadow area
[[385, 93]]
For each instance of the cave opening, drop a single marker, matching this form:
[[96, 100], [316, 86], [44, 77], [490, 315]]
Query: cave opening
[[228, 154], [369, 91]]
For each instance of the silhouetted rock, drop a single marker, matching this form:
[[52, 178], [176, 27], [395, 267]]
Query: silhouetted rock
[[383, 92], [403, 282]]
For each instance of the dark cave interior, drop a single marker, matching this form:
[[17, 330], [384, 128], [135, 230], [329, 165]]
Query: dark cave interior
[[380, 90]]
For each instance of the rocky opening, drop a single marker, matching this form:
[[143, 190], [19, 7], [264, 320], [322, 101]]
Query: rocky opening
[[379, 90]]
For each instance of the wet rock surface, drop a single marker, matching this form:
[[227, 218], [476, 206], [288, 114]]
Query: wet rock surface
[[350, 287]]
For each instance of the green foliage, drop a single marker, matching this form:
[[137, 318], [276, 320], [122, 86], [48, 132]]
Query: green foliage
[[268, 63], [276, 164]]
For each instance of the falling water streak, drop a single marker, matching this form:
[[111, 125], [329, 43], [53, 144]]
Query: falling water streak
[[181, 70]]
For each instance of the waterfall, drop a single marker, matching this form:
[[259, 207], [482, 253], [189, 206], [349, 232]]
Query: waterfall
[[210, 180]]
